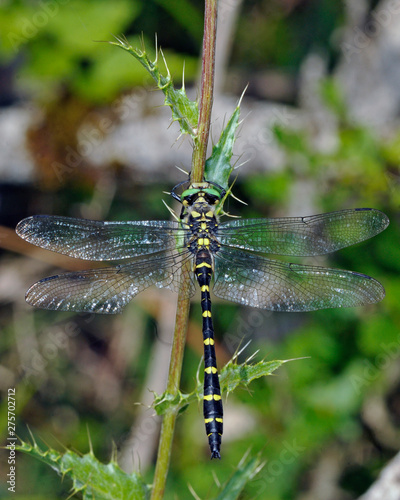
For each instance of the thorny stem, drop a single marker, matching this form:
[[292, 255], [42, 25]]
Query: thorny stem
[[206, 91], [174, 376], [182, 314]]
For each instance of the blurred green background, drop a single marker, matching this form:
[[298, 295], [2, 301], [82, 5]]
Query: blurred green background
[[327, 423]]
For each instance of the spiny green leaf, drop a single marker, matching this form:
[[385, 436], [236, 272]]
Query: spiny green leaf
[[232, 375], [245, 472], [89, 476], [218, 166], [183, 109], [167, 401]]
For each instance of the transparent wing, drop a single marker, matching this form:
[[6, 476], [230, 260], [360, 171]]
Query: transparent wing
[[278, 286], [303, 236], [99, 240], [107, 290]]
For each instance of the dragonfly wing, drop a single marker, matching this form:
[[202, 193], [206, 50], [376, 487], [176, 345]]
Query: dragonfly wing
[[99, 240], [256, 281], [303, 236], [107, 290]]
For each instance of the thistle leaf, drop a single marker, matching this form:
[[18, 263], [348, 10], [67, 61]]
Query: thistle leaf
[[232, 376], [90, 477], [246, 470], [183, 109], [218, 166]]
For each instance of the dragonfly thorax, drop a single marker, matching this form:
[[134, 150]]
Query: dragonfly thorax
[[198, 216], [203, 224]]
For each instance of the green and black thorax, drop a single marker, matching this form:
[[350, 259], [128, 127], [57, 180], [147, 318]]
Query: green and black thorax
[[199, 203]]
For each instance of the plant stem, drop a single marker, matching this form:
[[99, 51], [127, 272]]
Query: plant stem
[[206, 91], [174, 376], [183, 305]]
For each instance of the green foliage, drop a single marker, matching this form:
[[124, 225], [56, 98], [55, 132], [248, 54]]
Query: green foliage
[[246, 470], [218, 166], [58, 39], [355, 165], [184, 111], [232, 376], [90, 477]]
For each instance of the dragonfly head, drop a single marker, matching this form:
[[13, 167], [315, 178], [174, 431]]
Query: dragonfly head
[[199, 192], [199, 195]]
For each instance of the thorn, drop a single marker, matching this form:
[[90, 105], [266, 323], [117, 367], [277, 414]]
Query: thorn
[[183, 76], [89, 439], [252, 356], [217, 482], [122, 40], [114, 453], [156, 42], [260, 468], [242, 460], [229, 192], [198, 371], [181, 169], [195, 495], [238, 199], [243, 163], [171, 211], [296, 359], [142, 43], [238, 350], [32, 436], [227, 214], [241, 97], [166, 65], [75, 490], [243, 348]]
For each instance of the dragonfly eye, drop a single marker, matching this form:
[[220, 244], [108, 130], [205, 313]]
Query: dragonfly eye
[[212, 196], [188, 200], [212, 199], [189, 196]]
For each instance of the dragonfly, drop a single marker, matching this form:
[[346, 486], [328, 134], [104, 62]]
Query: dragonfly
[[232, 257]]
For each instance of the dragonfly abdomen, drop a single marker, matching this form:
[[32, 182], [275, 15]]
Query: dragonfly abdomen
[[212, 405]]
